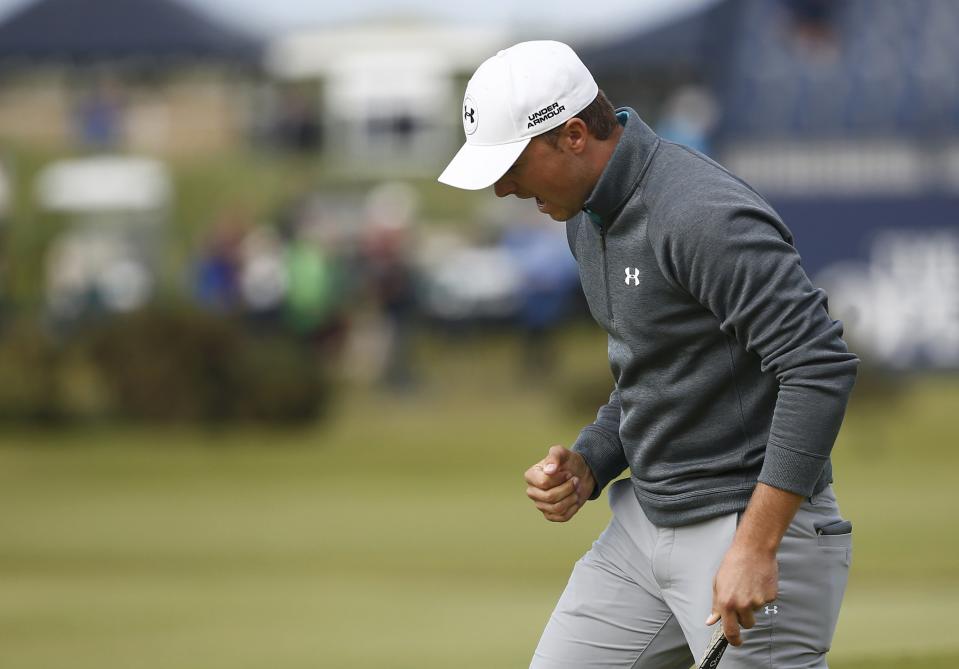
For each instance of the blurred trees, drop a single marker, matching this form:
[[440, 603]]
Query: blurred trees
[[167, 364]]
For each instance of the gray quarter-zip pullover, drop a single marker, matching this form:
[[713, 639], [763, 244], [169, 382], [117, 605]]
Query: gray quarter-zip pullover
[[728, 369]]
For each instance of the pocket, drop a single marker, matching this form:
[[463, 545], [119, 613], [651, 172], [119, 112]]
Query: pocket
[[842, 541], [833, 532], [839, 550], [814, 560], [836, 534]]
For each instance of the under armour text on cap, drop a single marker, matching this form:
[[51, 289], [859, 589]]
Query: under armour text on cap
[[521, 92]]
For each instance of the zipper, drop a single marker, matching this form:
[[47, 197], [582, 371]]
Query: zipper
[[609, 299]]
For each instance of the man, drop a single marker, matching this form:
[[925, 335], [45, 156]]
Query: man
[[731, 382]]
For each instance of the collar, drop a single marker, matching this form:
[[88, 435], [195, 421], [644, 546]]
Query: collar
[[624, 170]]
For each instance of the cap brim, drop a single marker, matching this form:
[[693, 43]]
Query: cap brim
[[475, 167]]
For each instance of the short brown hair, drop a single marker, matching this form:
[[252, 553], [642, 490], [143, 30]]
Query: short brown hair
[[599, 117]]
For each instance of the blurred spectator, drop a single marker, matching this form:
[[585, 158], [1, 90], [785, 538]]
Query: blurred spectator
[[99, 116], [314, 286], [219, 266], [465, 285], [263, 281], [689, 117], [90, 271], [398, 128], [298, 127], [549, 279], [385, 257], [813, 22], [6, 193]]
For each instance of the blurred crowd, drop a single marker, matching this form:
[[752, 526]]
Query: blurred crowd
[[845, 115], [357, 281]]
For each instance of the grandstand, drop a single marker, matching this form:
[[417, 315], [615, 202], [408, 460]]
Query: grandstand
[[861, 69], [874, 78], [845, 114]]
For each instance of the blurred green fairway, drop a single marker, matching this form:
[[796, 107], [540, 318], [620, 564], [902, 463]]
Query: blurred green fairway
[[398, 534]]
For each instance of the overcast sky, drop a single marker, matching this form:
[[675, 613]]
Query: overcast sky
[[566, 17]]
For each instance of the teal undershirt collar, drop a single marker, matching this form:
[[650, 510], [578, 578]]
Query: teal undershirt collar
[[622, 117]]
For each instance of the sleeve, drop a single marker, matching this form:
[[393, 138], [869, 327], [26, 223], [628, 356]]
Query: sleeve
[[600, 446], [736, 258]]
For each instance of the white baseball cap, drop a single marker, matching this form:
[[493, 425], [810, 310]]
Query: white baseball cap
[[519, 93]]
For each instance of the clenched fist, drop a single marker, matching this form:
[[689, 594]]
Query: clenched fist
[[559, 484]]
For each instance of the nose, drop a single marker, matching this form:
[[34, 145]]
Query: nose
[[504, 187]]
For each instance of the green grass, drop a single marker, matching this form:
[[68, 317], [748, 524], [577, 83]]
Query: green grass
[[398, 534]]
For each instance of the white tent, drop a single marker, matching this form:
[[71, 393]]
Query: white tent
[[388, 92]]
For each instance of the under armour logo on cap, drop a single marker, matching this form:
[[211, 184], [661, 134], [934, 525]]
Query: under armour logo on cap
[[469, 115]]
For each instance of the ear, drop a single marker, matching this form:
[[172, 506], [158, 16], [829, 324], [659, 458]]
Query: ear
[[575, 136]]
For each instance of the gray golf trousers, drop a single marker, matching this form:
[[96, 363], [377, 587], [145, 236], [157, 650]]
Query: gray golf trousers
[[640, 596]]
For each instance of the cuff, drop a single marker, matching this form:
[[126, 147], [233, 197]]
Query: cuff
[[603, 454], [791, 470]]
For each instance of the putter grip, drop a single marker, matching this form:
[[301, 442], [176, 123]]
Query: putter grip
[[714, 651]]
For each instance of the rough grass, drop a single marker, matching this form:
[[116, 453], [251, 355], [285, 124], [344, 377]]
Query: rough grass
[[398, 535]]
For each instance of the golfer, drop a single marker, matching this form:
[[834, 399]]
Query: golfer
[[730, 384]]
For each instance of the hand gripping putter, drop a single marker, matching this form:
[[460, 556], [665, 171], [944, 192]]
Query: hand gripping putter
[[714, 650]]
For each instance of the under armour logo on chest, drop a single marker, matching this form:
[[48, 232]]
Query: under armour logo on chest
[[632, 274], [774, 610]]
